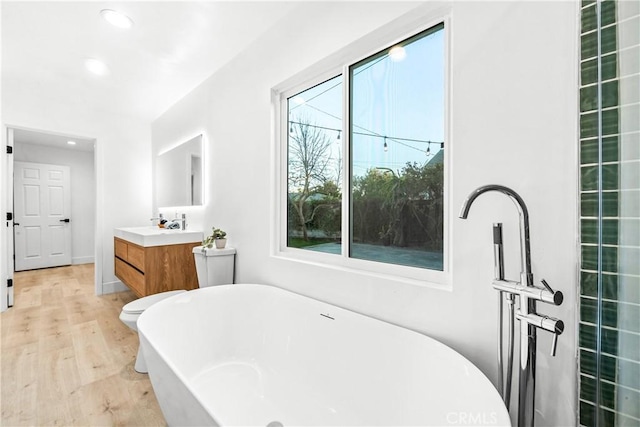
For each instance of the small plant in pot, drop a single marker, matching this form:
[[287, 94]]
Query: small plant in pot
[[218, 236]]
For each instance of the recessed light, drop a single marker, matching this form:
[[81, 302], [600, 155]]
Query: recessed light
[[397, 53], [96, 66], [117, 19], [71, 142]]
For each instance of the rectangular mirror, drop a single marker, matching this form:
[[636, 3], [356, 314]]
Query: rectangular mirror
[[179, 175]]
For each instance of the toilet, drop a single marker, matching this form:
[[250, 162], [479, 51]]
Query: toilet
[[213, 267]]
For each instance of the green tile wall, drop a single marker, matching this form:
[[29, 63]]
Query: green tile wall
[[609, 303]]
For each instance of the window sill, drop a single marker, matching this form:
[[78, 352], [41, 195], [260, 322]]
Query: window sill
[[390, 272]]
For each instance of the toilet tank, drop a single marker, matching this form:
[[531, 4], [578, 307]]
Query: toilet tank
[[214, 266]]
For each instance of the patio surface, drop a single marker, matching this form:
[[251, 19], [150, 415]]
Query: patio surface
[[387, 254]]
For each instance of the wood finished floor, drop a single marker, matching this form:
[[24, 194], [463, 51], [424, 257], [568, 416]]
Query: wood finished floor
[[67, 359]]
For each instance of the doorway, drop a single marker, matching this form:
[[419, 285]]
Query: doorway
[[33, 148]]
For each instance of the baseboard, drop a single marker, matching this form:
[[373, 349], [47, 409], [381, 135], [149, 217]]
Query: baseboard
[[83, 260], [113, 287]]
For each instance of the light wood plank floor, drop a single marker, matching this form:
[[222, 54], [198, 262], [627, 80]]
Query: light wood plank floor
[[67, 359]]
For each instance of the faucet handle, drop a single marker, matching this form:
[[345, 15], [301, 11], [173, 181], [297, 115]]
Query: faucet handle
[[556, 296], [554, 344], [555, 326], [558, 329]]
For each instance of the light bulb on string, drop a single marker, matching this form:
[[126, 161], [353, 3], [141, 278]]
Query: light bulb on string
[[428, 152], [338, 137], [385, 146]]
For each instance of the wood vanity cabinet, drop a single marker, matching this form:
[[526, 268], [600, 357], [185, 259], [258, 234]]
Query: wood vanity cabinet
[[154, 269]]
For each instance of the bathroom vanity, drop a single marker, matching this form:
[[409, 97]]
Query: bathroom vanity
[[150, 260]]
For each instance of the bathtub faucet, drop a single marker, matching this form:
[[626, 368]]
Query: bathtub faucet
[[526, 278], [527, 294]]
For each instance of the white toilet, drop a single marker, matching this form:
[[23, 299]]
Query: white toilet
[[213, 267]]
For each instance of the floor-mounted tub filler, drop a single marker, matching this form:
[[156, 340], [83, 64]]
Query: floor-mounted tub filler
[[260, 355], [527, 295]]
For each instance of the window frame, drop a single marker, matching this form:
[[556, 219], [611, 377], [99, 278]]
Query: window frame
[[335, 65]]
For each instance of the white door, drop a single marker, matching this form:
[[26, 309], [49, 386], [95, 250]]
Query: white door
[[42, 204]]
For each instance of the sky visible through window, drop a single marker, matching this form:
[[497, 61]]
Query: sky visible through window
[[396, 107], [401, 99]]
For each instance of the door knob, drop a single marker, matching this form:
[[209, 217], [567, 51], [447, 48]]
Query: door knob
[[65, 220]]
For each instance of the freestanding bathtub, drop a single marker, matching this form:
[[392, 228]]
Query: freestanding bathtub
[[257, 355]]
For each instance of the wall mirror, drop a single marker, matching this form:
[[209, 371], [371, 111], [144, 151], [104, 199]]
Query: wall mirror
[[179, 175]]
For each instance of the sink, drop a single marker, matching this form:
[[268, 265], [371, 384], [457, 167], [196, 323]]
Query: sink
[[156, 236]]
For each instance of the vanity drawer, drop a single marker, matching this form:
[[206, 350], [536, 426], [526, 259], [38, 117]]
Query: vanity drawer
[[120, 248], [130, 253], [131, 277], [135, 256]]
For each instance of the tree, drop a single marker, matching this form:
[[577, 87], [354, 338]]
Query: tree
[[415, 205], [309, 167], [402, 208], [369, 193]]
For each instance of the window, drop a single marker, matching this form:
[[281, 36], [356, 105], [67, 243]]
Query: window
[[365, 166], [314, 173]]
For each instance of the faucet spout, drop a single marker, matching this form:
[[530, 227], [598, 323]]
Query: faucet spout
[[523, 213]]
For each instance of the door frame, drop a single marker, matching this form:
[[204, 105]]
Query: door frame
[[6, 205], [7, 265]]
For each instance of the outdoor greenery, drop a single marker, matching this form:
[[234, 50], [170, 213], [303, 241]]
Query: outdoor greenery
[[314, 193], [402, 208]]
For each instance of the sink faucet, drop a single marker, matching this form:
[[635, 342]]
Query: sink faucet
[[183, 221], [159, 218], [528, 295]]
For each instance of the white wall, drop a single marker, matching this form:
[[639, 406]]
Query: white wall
[[513, 122], [83, 187], [123, 162]]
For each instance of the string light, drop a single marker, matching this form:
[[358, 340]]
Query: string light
[[395, 139], [397, 53]]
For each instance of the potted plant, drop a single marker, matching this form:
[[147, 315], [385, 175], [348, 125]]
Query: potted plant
[[218, 236]]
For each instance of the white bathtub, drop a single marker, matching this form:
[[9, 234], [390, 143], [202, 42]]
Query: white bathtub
[[259, 355]]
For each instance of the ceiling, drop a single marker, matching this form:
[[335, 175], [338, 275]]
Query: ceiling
[[24, 136], [172, 47]]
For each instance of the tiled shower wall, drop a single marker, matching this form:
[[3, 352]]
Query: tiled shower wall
[[609, 335]]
